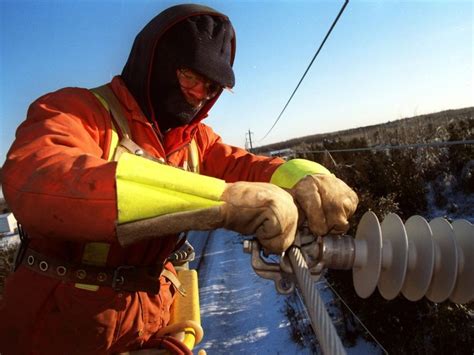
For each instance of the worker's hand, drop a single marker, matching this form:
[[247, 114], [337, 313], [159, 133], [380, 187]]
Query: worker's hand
[[262, 209], [326, 202]]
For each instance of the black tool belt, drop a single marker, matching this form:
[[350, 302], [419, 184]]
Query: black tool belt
[[122, 278]]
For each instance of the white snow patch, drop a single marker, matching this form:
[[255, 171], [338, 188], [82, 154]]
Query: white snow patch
[[9, 241], [240, 312], [250, 337]]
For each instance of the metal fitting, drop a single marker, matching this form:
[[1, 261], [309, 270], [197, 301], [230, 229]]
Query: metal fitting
[[337, 252], [61, 270], [247, 246], [81, 274], [43, 265]]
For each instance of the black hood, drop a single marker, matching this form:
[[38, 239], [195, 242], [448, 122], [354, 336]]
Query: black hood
[[138, 71]]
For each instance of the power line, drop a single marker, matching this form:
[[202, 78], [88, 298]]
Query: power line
[[350, 310], [307, 69], [388, 147]]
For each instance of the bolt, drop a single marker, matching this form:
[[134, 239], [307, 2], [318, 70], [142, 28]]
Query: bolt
[[285, 286]]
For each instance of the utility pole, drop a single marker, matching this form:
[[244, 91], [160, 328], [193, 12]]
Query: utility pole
[[250, 139]]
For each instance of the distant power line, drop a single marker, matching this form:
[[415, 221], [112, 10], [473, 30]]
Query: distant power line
[[307, 69], [387, 147]]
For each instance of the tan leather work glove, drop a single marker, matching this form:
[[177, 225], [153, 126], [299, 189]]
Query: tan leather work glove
[[326, 202], [249, 208], [262, 209]]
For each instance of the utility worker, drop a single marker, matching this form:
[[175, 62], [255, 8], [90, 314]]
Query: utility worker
[[104, 180]]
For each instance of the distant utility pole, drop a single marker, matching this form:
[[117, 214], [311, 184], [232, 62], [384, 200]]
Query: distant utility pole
[[250, 139]]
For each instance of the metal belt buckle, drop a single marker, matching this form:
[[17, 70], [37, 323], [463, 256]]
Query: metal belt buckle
[[118, 280]]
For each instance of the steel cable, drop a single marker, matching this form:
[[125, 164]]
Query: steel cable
[[390, 147], [355, 316], [320, 319], [288, 151]]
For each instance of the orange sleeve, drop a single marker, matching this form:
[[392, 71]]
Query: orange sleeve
[[232, 163], [55, 178]]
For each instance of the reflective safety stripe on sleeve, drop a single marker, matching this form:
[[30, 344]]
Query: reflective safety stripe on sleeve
[[289, 173], [148, 189]]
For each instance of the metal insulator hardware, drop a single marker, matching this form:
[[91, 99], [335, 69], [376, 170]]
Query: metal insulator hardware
[[415, 258], [418, 258], [338, 252], [284, 282]]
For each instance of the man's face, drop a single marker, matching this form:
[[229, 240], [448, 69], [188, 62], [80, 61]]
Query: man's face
[[196, 88]]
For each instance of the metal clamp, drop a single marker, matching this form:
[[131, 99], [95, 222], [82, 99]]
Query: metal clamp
[[281, 272], [284, 282]]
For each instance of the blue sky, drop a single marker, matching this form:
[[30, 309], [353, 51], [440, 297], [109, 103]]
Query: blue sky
[[385, 60]]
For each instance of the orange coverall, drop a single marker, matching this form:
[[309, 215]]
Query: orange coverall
[[61, 187]]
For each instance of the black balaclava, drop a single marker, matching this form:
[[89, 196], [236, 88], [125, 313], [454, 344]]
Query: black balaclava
[[201, 43]]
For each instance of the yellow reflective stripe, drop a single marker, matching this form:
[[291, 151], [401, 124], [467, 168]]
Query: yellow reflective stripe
[[114, 142], [148, 189], [193, 157], [114, 106], [95, 253], [137, 201], [289, 173], [114, 138], [102, 100], [87, 287]]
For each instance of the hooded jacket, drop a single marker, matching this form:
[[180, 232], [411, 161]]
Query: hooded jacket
[[62, 188]]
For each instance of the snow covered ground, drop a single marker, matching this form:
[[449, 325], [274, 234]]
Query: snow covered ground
[[458, 206], [8, 247], [240, 311]]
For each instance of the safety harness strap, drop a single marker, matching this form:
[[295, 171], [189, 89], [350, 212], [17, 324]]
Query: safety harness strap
[[115, 108], [193, 157]]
